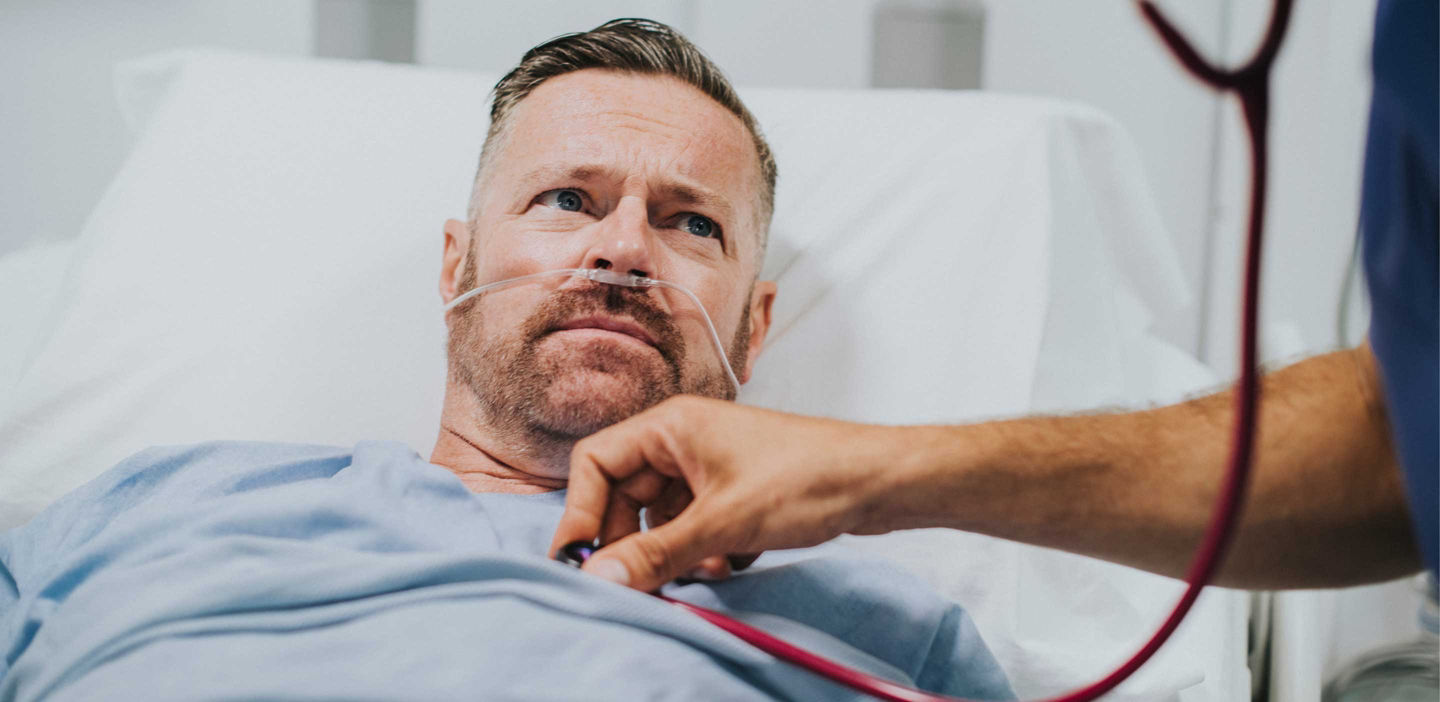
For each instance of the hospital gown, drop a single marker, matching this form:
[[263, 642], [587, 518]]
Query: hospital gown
[[268, 571]]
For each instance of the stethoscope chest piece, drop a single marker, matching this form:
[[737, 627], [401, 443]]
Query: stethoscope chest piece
[[576, 553]]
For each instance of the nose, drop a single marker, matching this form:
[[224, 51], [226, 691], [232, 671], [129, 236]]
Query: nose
[[623, 240]]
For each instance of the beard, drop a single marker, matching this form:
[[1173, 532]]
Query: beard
[[533, 386]]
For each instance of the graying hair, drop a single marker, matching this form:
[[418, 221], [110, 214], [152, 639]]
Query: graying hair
[[634, 46]]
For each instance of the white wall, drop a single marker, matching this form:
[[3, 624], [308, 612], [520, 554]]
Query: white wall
[[492, 36], [769, 43], [62, 139], [756, 42]]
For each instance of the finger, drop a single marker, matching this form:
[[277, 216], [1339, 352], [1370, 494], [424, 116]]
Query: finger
[[622, 518], [622, 514], [597, 463], [649, 559], [712, 568], [672, 501], [588, 496], [581, 521]]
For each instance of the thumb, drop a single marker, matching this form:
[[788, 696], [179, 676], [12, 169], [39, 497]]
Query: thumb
[[648, 559]]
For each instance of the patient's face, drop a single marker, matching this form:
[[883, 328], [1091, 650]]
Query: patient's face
[[635, 174]]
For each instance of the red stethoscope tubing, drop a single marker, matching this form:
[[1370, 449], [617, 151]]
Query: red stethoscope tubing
[[1251, 84]]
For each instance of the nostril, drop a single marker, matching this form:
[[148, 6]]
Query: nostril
[[638, 273], [602, 264]]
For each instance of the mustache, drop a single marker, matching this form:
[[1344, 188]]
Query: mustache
[[615, 300]]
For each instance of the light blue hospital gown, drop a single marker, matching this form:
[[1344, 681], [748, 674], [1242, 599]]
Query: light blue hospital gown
[[263, 571]]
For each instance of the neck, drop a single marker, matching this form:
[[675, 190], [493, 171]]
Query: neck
[[486, 460]]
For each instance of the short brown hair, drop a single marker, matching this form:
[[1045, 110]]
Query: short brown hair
[[634, 46]]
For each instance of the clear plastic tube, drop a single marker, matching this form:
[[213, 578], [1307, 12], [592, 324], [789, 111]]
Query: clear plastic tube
[[608, 277]]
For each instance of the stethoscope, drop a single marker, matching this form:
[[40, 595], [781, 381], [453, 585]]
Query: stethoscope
[[1251, 83]]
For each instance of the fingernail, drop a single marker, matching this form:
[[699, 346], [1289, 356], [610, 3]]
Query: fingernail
[[609, 569]]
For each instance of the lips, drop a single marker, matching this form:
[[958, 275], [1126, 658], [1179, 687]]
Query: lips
[[611, 324]]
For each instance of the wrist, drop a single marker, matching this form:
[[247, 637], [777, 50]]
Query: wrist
[[915, 477]]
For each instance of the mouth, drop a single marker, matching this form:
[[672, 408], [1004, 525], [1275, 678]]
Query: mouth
[[609, 326]]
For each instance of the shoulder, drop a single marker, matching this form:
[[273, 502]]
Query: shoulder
[[177, 475], [223, 465]]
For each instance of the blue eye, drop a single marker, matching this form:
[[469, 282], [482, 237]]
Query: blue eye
[[700, 225], [568, 200]]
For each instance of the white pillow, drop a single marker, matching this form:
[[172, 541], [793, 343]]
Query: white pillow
[[264, 267], [29, 285], [948, 255]]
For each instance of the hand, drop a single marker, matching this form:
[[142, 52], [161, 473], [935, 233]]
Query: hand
[[718, 478]]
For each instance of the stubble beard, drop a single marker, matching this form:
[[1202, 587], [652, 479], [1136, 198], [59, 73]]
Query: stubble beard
[[540, 397]]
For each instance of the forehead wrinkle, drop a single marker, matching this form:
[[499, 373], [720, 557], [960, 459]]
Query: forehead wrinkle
[[641, 117], [648, 129], [550, 173]]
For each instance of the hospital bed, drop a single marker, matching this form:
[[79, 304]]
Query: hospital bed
[[264, 267]]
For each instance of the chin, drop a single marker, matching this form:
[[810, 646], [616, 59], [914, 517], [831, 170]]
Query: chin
[[584, 401], [589, 386]]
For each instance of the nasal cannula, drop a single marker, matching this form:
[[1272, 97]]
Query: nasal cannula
[[1251, 84], [609, 277]]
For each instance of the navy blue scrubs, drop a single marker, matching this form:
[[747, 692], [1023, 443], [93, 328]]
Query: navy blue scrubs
[[1398, 220]]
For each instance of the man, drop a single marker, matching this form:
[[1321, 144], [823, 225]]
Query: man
[[261, 571]]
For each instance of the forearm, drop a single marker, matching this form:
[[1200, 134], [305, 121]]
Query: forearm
[[1325, 505]]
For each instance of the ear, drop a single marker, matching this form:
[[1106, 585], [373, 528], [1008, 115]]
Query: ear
[[762, 298], [452, 260]]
